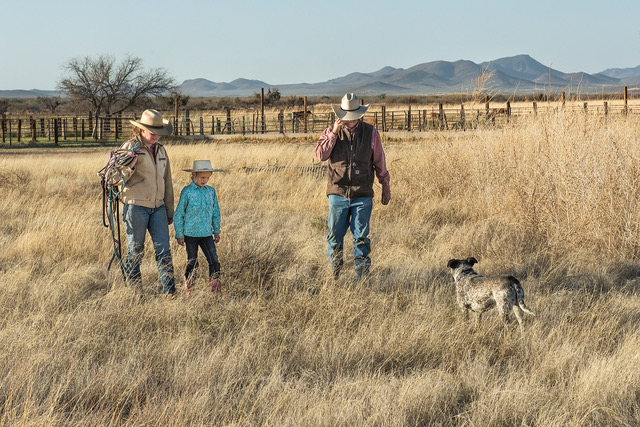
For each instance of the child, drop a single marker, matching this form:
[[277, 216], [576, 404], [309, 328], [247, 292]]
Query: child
[[196, 219]]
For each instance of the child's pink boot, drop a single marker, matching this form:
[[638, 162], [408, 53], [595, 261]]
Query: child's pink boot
[[188, 286], [216, 285]]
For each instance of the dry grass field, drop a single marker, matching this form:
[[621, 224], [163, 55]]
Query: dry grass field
[[554, 201]]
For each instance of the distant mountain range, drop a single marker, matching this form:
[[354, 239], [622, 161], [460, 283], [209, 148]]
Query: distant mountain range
[[516, 74]]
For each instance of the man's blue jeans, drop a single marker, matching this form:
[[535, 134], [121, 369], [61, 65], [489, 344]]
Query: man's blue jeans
[[351, 214], [138, 220]]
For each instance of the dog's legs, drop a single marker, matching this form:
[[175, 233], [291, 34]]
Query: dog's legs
[[519, 317], [478, 319]]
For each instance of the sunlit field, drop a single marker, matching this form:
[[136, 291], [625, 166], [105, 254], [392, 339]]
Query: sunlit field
[[554, 201]]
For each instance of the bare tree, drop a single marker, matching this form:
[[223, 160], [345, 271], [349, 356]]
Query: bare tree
[[51, 103], [111, 88]]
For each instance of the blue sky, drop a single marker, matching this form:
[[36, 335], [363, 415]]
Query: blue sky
[[309, 41]]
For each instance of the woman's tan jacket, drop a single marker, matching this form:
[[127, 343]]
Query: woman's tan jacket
[[148, 183]]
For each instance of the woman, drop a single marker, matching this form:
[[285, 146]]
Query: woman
[[148, 199]]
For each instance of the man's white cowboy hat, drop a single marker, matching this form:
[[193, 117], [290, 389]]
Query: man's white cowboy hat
[[152, 121], [202, 166], [350, 108]]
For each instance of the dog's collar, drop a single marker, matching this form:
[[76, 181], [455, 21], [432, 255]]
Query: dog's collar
[[464, 273]]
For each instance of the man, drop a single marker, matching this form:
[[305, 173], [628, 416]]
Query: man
[[353, 151]]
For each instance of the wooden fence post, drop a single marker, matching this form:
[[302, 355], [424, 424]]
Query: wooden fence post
[[262, 108], [201, 126], [486, 104], [228, 120], [535, 109], [508, 112], [19, 129], [384, 118], [187, 120], [32, 125], [563, 98], [440, 116], [626, 105], [304, 100], [55, 131], [463, 118], [82, 129], [409, 119], [606, 109], [4, 127], [281, 120], [585, 108]]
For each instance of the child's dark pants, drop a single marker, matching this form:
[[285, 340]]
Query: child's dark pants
[[208, 248]]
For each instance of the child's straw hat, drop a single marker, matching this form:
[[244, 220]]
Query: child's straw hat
[[202, 166]]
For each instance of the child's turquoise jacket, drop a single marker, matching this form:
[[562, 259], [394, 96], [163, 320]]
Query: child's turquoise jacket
[[197, 213]]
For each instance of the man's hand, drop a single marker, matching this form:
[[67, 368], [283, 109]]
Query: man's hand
[[216, 237], [135, 159], [386, 196], [337, 125], [180, 241]]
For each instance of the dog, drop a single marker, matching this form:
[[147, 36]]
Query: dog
[[479, 293]]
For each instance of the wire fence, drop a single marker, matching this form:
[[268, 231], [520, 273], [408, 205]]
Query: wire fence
[[435, 118]]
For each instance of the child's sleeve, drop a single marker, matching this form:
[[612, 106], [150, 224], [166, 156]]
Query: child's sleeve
[[178, 216], [215, 218]]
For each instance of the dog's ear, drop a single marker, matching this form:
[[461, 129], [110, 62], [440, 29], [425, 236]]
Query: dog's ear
[[453, 263], [471, 261]]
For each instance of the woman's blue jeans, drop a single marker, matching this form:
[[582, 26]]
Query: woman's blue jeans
[[138, 220], [351, 214]]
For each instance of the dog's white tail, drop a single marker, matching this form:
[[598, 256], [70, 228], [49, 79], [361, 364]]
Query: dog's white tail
[[520, 295]]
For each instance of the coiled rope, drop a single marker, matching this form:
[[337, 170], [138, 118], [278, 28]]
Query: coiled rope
[[113, 182]]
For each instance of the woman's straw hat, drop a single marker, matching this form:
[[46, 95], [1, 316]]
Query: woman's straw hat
[[152, 121], [350, 108], [202, 166]]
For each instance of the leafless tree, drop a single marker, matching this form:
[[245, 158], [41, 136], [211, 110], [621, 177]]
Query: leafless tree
[[51, 103], [111, 88]]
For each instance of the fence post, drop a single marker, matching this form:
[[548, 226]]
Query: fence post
[[4, 127], [55, 131], [508, 112], [82, 129], [409, 119], [32, 125], [606, 109], [440, 116], [384, 118], [585, 108], [281, 120], [19, 129], [463, 118], [228, 120], [304, 101], [201, 126], [262, 107], [486, 104], [626, 105], [187, 120], [563, 97], [213, 125], [535, 109]]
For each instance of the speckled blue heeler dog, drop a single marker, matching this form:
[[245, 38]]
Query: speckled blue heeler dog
[[479, 293]]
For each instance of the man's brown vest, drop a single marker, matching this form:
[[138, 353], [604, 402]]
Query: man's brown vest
[[350, 173]]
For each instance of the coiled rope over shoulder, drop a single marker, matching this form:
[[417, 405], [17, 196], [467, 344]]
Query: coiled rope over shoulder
[[113, 182]]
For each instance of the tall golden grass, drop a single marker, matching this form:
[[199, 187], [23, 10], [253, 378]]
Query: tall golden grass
[[554, 201]]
